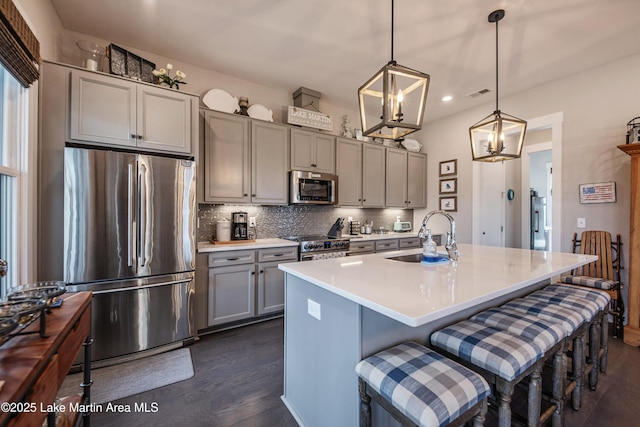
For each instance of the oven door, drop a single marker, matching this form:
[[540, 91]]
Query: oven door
[[313, 256]]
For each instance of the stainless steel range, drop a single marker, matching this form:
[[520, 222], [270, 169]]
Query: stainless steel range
[[320, 247]]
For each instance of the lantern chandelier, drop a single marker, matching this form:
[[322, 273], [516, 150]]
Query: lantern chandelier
[[392, 102], [499, 136]]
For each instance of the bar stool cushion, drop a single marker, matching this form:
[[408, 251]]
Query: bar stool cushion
[[425, 386], [589, 309], [591, 282], [545, 333], [499, 352], [599, 297], [569, 319]]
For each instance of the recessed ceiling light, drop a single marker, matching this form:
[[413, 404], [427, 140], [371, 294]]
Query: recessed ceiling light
[[447, 98]]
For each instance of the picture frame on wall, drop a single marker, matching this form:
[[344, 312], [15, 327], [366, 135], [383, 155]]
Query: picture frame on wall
[[449, 204], [600, 192], [449, 167], [448, 186]]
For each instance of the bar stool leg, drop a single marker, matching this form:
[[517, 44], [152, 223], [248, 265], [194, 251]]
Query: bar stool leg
[[594, 352], [478, 420], [505, 391], [578, 361], [558, 387], [365, 404], [604, 339], [535, 395]]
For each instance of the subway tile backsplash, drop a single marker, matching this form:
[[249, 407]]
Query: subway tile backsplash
[[281, 221]]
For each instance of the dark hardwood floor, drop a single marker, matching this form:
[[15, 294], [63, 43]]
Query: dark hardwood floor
[[239, 376]]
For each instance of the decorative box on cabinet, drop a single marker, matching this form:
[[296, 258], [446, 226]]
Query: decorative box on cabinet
[[245, 161], [312, 151], [111, 111]]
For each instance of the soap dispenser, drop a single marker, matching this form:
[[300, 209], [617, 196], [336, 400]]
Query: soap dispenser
[[429, 249]]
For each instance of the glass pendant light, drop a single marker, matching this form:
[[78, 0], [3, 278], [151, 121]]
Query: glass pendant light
[[498, 136], [392, 102]]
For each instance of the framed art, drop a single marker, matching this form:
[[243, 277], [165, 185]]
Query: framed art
[[602, 192], [449, 204], [449, 167], [448, 186]]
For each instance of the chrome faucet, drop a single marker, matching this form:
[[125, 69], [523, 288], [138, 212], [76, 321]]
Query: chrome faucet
[[451, 246]]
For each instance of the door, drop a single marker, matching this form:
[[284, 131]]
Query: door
[[489, 180], [164, 120], [349, 170], [417, 180], [103, 109], [99, 213], [167, 215], [396, 181], [373, 176], [231, 293], [270, 160]]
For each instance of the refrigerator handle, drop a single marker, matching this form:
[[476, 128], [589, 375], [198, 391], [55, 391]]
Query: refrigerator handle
[[142, 199], [537, 214], [131, 246]]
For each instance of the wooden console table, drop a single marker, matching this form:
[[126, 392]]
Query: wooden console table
[[33, 368], [632, 330]]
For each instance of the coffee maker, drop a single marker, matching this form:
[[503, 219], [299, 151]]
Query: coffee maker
[[239, 223]]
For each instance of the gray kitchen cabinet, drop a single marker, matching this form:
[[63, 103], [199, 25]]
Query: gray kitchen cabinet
[[405, 183], [349, 171], [386, 245], [231, 293], [244, 284], [409, 242], [110, 111], [373, 175], [269, 160], [359, 247], [245, 161], [312, 151]]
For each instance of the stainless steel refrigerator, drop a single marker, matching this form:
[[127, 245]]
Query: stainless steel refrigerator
[[539, 233], [129, 237]]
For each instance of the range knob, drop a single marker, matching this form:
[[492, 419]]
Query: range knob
[[308, 246]]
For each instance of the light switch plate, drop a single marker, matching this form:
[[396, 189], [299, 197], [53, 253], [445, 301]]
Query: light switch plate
[[313, 308], [582, 223]]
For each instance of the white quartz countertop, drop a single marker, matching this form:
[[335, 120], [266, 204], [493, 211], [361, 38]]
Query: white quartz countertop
[[415, 294], [258, 244]]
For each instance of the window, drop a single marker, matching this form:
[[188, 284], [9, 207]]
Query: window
[[13, 174]]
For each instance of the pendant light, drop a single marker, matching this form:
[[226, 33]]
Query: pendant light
[[392, 102], [498, 136]]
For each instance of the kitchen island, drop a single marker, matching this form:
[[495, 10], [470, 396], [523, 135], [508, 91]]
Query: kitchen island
[[338, 311]]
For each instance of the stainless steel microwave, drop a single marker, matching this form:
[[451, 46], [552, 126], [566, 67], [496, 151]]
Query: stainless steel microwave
[[311, 188]]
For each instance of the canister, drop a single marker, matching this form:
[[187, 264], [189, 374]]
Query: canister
[[223, 230]]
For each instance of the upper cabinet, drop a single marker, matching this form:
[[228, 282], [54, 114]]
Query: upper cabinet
[[245, 161], [312, 151], [405, 179], [361, 173], [106, 110]]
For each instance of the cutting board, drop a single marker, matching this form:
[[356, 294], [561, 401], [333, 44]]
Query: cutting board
[[232, 242]]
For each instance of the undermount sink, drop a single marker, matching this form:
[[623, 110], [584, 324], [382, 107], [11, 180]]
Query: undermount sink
[[407, 258]]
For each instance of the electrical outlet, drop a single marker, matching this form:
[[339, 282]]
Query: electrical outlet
[[252, 221], [582, 223], [313, 308]]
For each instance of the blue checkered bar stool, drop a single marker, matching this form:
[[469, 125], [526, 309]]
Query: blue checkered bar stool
[[503, 358], [603, 300], [418, 386], [548, 335], [593, 305], [575, 325]]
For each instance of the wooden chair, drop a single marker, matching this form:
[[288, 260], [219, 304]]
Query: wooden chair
[[603, 274]]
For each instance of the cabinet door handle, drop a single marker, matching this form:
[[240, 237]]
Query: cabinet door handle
[[261, 271], [313, 165], [278, 254], [253, 195], [232, 259], [253, 273], [245, 194], [139, 136], [133, 136], [364, 200]]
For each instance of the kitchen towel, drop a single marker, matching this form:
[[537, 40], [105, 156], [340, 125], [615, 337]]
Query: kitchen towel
[[127, 379]]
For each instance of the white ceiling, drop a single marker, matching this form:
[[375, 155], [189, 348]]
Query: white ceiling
[[333, 46]]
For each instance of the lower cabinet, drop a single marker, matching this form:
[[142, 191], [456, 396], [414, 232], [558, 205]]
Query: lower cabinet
[[245, 284]]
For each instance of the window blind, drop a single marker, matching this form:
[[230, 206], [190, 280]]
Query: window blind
[[19, 47]]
